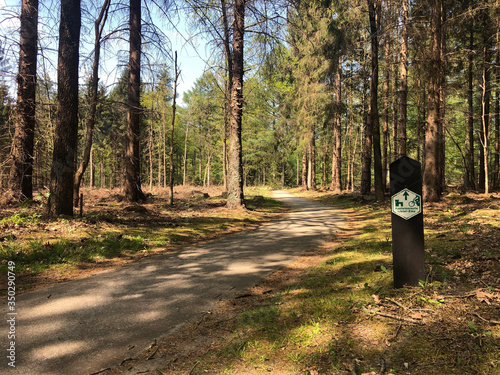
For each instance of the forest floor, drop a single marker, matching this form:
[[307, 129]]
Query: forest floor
[[112, 232], [332, 311], [335, 311]]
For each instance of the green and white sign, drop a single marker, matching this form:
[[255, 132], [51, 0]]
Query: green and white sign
[[406, 204]]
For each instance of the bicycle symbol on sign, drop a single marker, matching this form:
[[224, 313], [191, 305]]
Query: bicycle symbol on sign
[[415, 202]]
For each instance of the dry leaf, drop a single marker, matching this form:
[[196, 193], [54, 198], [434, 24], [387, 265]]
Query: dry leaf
[[416, 316], [376, 299], [484, 297]]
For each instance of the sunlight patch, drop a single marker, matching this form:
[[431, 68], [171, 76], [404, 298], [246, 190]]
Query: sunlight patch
[[58, 350]]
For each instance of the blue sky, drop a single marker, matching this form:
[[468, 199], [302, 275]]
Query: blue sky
[[190, 63]]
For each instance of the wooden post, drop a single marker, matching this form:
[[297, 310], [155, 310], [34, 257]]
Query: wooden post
[[407, 222], [81, 205]]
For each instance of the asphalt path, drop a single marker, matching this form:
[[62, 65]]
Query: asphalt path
[[86, 325]]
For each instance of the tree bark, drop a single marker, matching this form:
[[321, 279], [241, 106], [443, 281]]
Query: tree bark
[[367, 146], [337, 134], [227, 88], [235, 198], [385, 128], [21, 170], [373, 116], [403, 75], [496, 168], [471, 175], [184, 163], [132, 186], [305, 154], [172, 128], [484, 134], [94, 87], [431, 176], [311, 169], [66, 131]]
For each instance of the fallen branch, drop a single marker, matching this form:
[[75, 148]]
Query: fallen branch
[[152, 355], [396, 303], [395, 317], [101, 371], [496, 322]]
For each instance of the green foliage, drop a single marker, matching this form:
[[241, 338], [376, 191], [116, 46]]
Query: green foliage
[[39, 255], [20, 219]]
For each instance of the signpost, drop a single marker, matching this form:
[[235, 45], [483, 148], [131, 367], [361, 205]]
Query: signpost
[[407, 222]]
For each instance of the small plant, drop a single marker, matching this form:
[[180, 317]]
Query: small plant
[[21, 219], [472, 327]]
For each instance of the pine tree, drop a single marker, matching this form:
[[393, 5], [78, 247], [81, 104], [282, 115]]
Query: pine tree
[[21, 171], [66, 130]]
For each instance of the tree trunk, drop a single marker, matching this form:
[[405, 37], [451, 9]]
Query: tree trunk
[[431, 176], [311, 175], [304, 167], [373, 117], [283, 166], [471, 175], [385, 130], [403, 68], [228, 89], [367, 150], [395, 119], [485, 106], [184, 164], [66, 132], [235, 197], [171, 182], [150, 149], [337, 134], [297, 175], [132, 186], [21, 170], [92, 169], [496, 171], [94, 87]]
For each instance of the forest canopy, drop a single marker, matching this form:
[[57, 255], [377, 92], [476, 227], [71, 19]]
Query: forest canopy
[[299, 93]]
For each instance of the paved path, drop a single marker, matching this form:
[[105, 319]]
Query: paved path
[[83, 326]]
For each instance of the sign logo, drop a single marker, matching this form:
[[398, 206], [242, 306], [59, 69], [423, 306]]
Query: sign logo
[[406, 204]]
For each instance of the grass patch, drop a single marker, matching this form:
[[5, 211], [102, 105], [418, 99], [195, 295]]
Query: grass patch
[[345, 317], [36, 255]]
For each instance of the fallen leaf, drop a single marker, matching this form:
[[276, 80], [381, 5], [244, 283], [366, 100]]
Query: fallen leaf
[[484, 297], [416, 316], [376, 299]]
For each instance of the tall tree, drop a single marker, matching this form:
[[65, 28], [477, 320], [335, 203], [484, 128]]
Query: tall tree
[[94, 86], [21, 171], [470, 171], [373, 115], [172, 128], [235, 198], [431, 176], [228, 82], [484, 133], [66, 130], [403, 77], [337, 133], [132, 184]]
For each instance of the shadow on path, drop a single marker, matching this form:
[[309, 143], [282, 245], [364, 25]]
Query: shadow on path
[[85, 325]]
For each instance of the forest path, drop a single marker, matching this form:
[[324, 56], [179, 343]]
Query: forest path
[[86, 325]]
